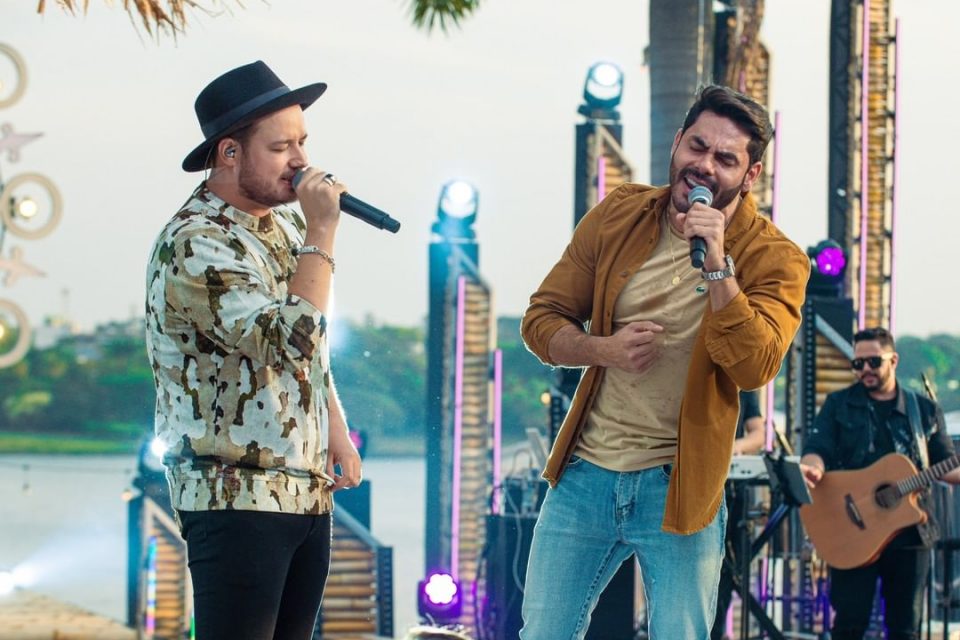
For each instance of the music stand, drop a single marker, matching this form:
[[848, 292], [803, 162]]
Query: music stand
[[786, 479]]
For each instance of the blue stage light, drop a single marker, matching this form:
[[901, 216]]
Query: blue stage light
[[458, 199], [603, 88], [457, 211]]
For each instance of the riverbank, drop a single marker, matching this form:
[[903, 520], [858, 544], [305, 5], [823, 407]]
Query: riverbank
[[29, 443], [60, 444], [63, 519]]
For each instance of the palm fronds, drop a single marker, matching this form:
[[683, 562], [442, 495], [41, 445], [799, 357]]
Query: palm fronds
[[429, 13], [170, 16], [157, 16]]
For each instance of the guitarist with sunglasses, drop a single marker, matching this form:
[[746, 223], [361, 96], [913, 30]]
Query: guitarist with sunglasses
[[857, 427]]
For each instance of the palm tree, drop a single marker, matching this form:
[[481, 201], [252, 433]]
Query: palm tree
[[170, 16], [428, 13], [680, 59]]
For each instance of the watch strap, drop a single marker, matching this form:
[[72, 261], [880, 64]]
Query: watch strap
[[727, 272]]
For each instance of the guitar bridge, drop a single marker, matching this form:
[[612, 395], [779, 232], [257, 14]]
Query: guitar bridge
[[853, 513]]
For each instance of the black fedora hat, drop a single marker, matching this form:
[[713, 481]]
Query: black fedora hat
[[239, 97]]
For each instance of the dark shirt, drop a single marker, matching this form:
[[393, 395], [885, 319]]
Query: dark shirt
[[749, 408], [881, 410]]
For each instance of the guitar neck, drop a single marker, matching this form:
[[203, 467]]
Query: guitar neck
[[926, 477]]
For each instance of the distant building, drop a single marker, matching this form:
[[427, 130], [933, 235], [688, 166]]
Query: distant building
[[89, 346], [953, 423], [52, 331]]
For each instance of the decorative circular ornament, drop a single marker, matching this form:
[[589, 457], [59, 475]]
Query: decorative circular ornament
[[22, 345], [16, 227], [21, 82]]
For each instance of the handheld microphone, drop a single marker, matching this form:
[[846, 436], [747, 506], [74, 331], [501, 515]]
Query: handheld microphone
[[698, 246], [359, 209]]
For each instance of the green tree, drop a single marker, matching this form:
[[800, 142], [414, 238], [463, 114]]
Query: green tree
[[56, 391], [936, 357], [525, 379], [380, 373]]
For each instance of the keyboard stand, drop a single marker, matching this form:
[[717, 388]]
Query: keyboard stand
[[786, 479]]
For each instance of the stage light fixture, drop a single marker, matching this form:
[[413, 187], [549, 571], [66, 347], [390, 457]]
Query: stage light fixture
[[158, 448], [828, 263], [829, 258], [151, 473], [602, 91], [457, 211], [438, 598]]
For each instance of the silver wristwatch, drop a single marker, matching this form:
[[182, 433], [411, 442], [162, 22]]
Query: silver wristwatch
[[726, 272]]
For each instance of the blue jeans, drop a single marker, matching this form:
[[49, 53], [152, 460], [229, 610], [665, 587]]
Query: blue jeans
[[591, 522]]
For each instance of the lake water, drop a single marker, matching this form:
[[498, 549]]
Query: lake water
[[64, 520]]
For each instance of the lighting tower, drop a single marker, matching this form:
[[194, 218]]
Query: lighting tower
[[460, 434], [600, 167], [862, 169]]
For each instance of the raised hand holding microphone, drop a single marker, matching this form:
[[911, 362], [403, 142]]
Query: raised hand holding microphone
[[354, 206], [319, 193], [698, 246], [705, 227]]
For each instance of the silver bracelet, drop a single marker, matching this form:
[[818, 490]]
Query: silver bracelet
[[310, 248]]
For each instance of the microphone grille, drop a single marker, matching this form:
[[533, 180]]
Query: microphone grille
[[700, 194], [298, 176]]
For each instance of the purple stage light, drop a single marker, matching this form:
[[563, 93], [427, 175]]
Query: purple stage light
[[440, 588], [438, 597], [828, 266], [830, 260]]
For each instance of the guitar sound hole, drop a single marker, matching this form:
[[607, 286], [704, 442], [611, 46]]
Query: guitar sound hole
[[886, 496]]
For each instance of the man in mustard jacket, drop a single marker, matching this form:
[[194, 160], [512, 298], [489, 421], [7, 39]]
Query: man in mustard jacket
[[638, 466]]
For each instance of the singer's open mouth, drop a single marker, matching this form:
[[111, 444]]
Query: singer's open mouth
[[691, 183]]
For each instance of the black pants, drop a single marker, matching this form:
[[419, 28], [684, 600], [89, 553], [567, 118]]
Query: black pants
[[256, 575], [903, 575], [737, 497]]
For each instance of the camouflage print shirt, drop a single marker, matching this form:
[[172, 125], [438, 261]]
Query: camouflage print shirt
[[241, 366]]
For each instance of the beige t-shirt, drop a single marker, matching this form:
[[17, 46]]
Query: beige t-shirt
[[633, 422]]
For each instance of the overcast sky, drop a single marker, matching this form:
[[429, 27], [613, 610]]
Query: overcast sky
[[494, 103]]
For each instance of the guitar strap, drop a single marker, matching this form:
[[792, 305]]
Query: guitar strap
[[916, 425], [930, 530]]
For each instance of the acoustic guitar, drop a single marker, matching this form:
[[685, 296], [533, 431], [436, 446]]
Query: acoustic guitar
[[855, 514]]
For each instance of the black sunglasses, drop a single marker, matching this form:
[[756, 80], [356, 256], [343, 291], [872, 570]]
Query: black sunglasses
[[873, 361]]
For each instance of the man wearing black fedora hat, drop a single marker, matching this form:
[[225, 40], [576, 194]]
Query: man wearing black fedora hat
[[238, 287]]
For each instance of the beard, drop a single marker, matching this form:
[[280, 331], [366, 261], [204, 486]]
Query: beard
[[720, 199], [261, 190], [878, 379]]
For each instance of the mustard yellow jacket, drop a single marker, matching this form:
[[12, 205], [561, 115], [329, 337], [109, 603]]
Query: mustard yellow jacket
[[739, 347]]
